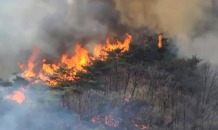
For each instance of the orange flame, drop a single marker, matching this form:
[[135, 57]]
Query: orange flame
[[143, 127], [17, 96], [160, 40], [21, 65], [76, 62], [30, 73], [108, 120]]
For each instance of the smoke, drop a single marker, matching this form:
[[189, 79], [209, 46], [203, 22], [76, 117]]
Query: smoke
[[19, 27], [56, 25], [164, 15], [193, 24], [52, 25], [204, 42], [204, 47], [47, 112]]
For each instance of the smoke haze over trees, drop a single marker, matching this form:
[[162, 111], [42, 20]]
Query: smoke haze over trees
[[144, 88], [169, 88], [55, 25]]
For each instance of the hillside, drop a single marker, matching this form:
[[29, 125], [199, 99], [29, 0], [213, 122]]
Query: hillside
[[144, 87]]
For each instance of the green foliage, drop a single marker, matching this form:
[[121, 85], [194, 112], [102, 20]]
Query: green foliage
[[59, 75]]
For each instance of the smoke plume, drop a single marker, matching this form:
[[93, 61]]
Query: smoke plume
[[19, 27], [164, 15], [204, 42], [47, 112], [52, 25], [56, 25], [192, 23]]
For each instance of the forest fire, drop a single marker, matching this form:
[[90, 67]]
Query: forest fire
[[76, 62], [64, 68]]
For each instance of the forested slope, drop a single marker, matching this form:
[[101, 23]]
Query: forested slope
[[146, 87]]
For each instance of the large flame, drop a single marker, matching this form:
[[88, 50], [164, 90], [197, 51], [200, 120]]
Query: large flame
[[76, 62]]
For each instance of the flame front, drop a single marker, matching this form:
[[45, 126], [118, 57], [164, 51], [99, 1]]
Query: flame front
[[76, 62]]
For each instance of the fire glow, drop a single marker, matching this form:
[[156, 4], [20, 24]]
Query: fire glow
[[17, 95], [76, 62], [108, 120], [160, 41]]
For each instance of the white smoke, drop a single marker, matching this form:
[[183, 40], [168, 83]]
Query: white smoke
[[205, 43], [19, 26], [25, 24], [204, 47]]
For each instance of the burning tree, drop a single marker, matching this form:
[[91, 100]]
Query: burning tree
[[125, 86]]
